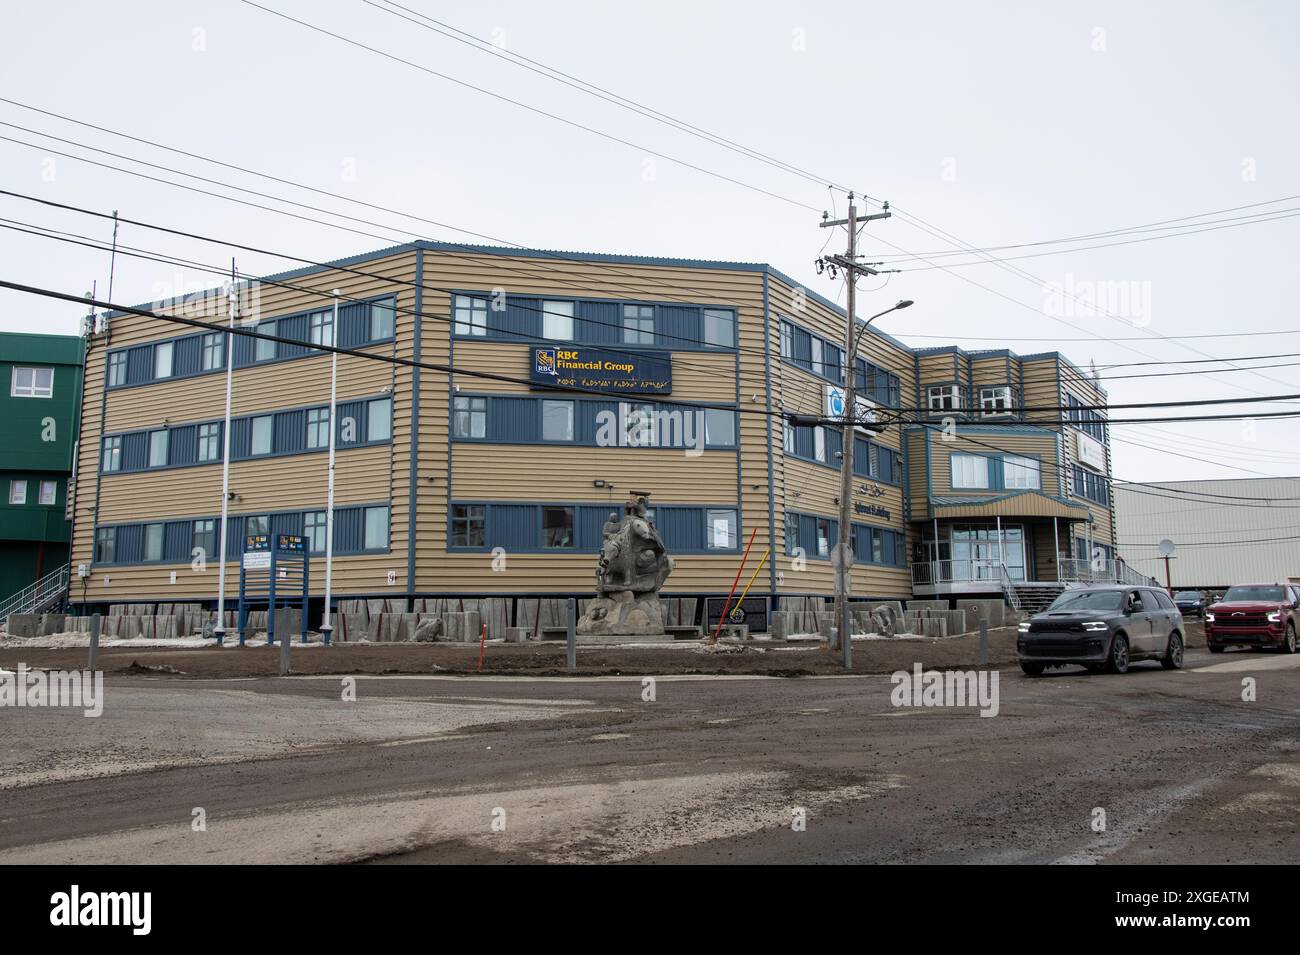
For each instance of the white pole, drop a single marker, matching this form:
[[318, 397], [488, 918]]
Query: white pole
[[220, 630], [327, 627]]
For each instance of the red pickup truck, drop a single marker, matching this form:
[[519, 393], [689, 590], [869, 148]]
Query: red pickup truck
[[1261, 615]]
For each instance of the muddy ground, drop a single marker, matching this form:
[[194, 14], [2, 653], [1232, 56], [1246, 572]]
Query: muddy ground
[[774, 658]]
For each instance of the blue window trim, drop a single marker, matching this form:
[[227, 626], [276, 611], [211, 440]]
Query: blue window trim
[[1091, 477], [340, 446], [216, 518], [997, 473], [581, 547], [855, 527], [574, 442], [835, 466], [496, 336], [310, 350]]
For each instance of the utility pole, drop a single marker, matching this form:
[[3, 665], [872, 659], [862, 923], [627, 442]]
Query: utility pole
[[842, 558]]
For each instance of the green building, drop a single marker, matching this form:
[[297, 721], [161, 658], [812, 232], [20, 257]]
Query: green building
[[40, 394]]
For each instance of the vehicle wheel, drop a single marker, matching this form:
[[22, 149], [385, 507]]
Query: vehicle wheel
[[1033, 669], [1118, 660], [1288, 645], [1173, 658], [1214, 649]]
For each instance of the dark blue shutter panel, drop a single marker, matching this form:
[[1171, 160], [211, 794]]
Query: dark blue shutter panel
[[682, 528], [803, 441], [518, 321], [349, 530], [599, 323], [289, 523], [587, 423], [183, 445], [808, 534], [235, 538], [130, 544], [356, 412], [514, 526], [139, 364], [241, 437], [354, 325], [245, 349], [514, 419], [177, 536], [290, 432], [135, 451], [885, 458], [678, 326], [802, 347], [861, 457], [590, 521], [296, 328], [834, 443]]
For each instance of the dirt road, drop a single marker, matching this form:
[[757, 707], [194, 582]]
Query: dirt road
[[454, 769]]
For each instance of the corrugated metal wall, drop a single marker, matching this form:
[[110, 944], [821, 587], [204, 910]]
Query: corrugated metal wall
[[1230, 531]]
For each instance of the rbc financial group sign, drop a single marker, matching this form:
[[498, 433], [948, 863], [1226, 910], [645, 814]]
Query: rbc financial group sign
[[598, 369]]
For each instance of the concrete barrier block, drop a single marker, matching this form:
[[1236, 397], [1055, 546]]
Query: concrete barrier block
[[52, 623], [23, 625]]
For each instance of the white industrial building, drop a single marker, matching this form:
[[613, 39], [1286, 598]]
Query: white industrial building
[[1224, 532]]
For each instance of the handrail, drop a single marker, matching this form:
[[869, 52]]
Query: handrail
[[36, 596], [1008, 588]]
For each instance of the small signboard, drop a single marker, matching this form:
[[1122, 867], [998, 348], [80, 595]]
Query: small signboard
[[257, 560], [257, 542], [835, 405], [1091, 452], [599, 369], [290, 542]]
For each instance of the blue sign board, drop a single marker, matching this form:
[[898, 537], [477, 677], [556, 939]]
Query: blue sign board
[[599, 369]]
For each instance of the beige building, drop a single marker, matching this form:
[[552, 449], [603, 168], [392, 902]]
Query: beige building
[[533, 391]]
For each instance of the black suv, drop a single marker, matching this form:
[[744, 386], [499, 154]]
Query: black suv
[[1191, 602], [1103, 628]]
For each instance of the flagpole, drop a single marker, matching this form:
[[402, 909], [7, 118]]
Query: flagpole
[[233, 299], [327, 628]]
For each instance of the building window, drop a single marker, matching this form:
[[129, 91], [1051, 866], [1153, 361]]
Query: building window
[[833, 363], [322, 328], [970, 471], [638, 425], [376, 528], [557, 321], [819, 443], [204, 538], [112, 454], [557, 420], [995, 401], [313, 528], [791, 534], [638, 324], [944, 398], [823, 537], [471, 316], [214, 351], [720, 529], [1020, 473], [720, 427], [719, 328], [379, 419], [788, 438], [163, 353], [818, 365], [264, 350], [209, 442], [158, 442], [1090, 486], [33, 382], [383, 320], [49, 492], [257, 525], [469, 417], [468, 525], [557, 527], [787, 341], [318, 427], [106, 545], [117, 369], [18, 491], [153, 542], [263, 426]]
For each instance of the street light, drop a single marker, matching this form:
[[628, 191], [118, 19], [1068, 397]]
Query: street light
[[901, 304]]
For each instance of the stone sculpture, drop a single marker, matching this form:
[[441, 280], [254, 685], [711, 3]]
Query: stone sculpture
[[631, 570]]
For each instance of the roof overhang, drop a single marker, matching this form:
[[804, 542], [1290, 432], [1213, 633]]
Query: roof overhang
[[1015, 504]]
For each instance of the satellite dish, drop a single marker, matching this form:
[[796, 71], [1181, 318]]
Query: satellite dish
[[1166, 547]]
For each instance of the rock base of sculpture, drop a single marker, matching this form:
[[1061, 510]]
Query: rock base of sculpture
[[623, 614]]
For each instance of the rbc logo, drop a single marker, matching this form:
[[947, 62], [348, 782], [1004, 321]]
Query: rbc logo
[[545, 361], [835, 402]]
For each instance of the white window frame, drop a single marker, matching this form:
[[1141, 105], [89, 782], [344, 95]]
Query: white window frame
[[315, 523], [722, 416], [557, 320], [553, 405], [966, 456], [320, 327], [318, 428], [996, 400], [213, 347], [367, 541], [18, 491], [159, 440], [117, 368], [155, 542], [1022, 466], [264, 350], [211, 440], [470, 316], [375, 417], [32, 388], [164, 369], [948, 398], [383, 321], [711, 516], [819, 443], [111, 459], [270, 435], [468, 406], [635, 318], [53, 495], [716, 319]]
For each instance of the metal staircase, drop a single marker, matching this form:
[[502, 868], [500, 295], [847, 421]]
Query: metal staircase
[[45, 594]]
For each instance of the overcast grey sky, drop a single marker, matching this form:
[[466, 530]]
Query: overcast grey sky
[[1000, 123]]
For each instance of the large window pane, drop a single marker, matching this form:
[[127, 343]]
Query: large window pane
[[214, 351], [263, 427], [557, 420], [970, 471], [557, 321], [162, 359], [158, 441], [209, 442], [117, 368], [106, 545], [49, 491], [379, 421], [313, 528], [153, 542], [720, 427], [382, 320], [469, 417], [18, 491], [470, 316], [557, 527], [468, 525], [322, 328], [33, 382], [720, 529], [318, 428], [376, 528], [264, 350], [639, 324], [719, 328], [112, 454], [1021, 473]]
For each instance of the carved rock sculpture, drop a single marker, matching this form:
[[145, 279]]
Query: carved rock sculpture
[[632, 568]]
